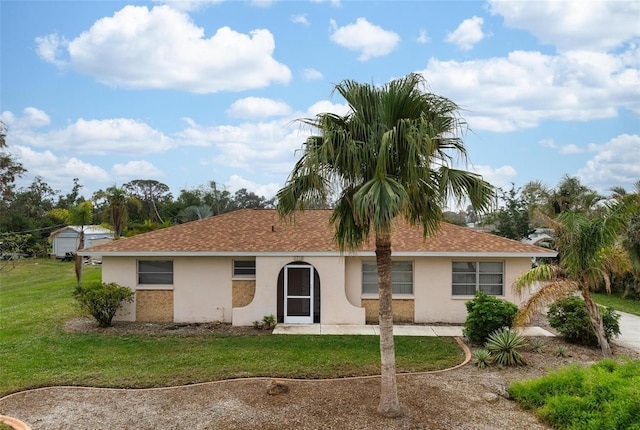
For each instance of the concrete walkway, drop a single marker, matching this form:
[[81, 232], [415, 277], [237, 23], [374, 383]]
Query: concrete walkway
[[630, 331], [629, 327], [398, 330]]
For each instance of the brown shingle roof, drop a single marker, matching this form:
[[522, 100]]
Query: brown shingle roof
[[253, 231]]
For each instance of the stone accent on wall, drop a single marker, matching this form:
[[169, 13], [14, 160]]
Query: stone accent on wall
[[403, 310], [242, 292], [154, 305]]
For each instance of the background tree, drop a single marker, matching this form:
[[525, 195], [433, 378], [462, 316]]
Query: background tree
[[9, 168], [512, 219], [390, 156], [243, 199], [115, 209], [152, 195]]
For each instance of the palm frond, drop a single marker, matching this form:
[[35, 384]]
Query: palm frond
[[544, 273], [541, 298]]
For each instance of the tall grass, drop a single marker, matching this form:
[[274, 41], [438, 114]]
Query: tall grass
[[36, 300], [603, 396]]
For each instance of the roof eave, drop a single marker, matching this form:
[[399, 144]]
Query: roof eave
[[455, 254]]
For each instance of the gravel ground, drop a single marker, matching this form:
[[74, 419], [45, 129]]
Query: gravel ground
[[464, 398]]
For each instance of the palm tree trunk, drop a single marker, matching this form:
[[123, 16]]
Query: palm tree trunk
[[389, 405], [596, 323]]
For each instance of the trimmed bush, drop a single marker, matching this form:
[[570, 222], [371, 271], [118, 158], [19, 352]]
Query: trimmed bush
[[101, 300], [486, 314], [570, 318]]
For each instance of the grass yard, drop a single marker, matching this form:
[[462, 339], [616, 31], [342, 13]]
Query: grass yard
[[35, 301], [616, 302]]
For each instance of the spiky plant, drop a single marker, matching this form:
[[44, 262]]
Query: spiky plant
[[503, 344], [482, 358], [562, 351], [537, 345]]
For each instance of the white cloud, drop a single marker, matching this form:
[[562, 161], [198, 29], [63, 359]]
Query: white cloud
[[300, 19], [237, 182], [258, 107], [572, 148], [162, 48], [500, 177], [616, 162], [311, 75], [521, 90], [468, 33], [548, 143], [325, 106], [49, 47], [135, 169], [31, 118], [334, 3], [188, 5], [422, 37], [58, 171], [573, 24], [369, 39], [107, 136], [266, 147]]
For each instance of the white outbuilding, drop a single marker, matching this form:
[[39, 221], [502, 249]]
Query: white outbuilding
[[67, 239]]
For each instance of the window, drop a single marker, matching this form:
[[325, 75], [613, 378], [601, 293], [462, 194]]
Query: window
[[244, 268], [401, 277], [471, 276], [155, 272]]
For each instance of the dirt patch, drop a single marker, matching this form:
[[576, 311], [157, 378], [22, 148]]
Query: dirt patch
[[464, 398]]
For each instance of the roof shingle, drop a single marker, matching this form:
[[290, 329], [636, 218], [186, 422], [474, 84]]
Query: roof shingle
[[254, 231]]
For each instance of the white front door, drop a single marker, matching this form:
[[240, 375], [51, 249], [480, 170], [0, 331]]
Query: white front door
[[298, 294]]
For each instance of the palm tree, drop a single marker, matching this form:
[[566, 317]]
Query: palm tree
[[116, 210], [390, 156], [588, 255]]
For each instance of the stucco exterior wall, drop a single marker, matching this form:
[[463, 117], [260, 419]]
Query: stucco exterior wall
[[334, 307], [433, 301], [201, 288]]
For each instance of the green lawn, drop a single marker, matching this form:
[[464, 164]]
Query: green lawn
[[616, 302], [35, 301]]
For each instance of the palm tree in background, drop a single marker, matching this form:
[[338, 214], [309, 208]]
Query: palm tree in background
[[116, 210], [389, 157], [589, 254]]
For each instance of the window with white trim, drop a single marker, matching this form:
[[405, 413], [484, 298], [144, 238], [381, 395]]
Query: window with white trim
[[401, 277], [244, 268], [471, 276], [155, 272]]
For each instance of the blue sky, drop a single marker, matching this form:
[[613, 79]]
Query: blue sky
[[185, 92]]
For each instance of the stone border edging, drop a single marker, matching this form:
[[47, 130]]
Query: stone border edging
[[19, 425], [14, 422]]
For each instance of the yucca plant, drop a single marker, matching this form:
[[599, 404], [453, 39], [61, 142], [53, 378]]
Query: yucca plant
[[562, 351], [537, 345], [482, 358], [503, 344]]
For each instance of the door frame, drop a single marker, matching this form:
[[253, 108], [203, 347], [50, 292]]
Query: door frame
[[306, 319]]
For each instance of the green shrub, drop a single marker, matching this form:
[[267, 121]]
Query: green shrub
[[602, 396], [503, 344], [569, 316], [268, 322], [486, 314], [102, 300]]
